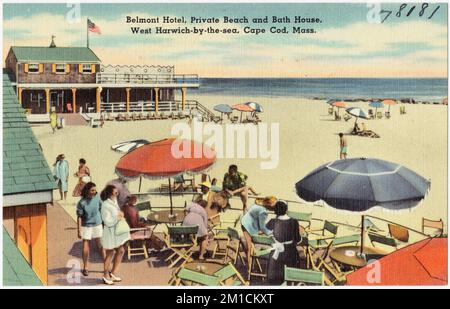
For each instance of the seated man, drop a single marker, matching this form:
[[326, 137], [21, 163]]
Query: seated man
[[234, 183]]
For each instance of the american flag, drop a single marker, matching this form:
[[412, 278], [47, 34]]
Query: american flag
[[93, 27]]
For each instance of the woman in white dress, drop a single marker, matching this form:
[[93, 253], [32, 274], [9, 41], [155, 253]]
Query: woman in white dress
[[112, 243]]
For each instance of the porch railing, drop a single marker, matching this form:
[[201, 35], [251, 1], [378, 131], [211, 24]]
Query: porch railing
[[149, 106], [150, 79]]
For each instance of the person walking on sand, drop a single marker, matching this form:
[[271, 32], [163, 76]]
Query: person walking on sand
[[53, 120], [116, 233], [61, 174], [83, 175], [89, 222], [343, 146]]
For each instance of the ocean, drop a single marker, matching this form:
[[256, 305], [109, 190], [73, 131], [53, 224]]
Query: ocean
[[420, 89]]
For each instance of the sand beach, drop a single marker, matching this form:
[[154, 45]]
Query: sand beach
[[308, 139]]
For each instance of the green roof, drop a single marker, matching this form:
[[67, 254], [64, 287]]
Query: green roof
[[54, 54], [16, 270], [24, 166]]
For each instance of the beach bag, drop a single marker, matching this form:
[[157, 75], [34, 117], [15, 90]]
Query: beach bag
[[121, 228]]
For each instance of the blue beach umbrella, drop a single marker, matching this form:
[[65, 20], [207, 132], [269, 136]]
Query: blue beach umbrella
[[359, 184], [256, 106], [376, 105], [223, 109]]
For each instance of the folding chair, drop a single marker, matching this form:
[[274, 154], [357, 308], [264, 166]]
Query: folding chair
[[234, 247], [379, 115], [229, 275], [220, 232], [324, 235], [184, 276], [301, 217], [136, 237], [260, 253], [181, 240], [302, 276], [398, 233], [437, 225], [384, 240]]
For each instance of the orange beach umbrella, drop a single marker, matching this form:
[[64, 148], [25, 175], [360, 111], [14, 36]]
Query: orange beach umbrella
[[422, 263], [389, 102], [242, 108], [165, 159]]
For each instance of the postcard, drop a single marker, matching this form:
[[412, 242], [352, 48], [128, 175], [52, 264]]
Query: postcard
[[225, 144]]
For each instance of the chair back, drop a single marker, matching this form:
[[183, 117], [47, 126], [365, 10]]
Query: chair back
[[300, 216], [262, 240], [398, 232], [198, 277], [183, 235], [233, 233], [144, 206], [434, 224], [228, 272], [346, 240], [303, 275], [330, 227], [388, 241]]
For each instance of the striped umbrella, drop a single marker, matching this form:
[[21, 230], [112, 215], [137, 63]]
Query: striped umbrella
[[357, 113], [256, 106]]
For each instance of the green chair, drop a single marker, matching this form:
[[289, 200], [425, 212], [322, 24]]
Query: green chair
[[301, 217], [220, 232], [320, 239], [234, 246], [185, 275], [229, 275], [260, 250], [181, 240], [384, 240], [345, 240], [302, 276]]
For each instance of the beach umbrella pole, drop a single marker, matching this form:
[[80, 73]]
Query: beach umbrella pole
[[170, 196], [140, 183], [362, 234]]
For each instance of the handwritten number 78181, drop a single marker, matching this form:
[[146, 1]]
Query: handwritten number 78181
[[406, 11]]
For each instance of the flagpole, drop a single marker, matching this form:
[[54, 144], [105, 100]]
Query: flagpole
[[87, 33]]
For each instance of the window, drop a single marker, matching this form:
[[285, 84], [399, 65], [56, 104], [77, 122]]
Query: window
[[60, 68], [33, 68], [87, 68]]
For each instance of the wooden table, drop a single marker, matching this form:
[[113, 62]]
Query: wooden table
[[162, 216], [348, 255]]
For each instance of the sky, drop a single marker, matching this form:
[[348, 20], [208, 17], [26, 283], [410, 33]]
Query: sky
[[346, 43]]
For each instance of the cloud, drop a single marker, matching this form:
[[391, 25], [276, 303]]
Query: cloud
[[411, 48]]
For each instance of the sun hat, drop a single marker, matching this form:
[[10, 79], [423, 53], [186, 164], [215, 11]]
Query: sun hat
[[206, 184], [266, 201]]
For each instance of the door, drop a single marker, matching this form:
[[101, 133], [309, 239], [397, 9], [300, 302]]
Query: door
[[57, 101]]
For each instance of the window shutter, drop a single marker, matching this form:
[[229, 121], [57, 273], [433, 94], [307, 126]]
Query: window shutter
[[25, 67], [67, 68], [41, 67], [93, 68], [80, 68], [53, 67]]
